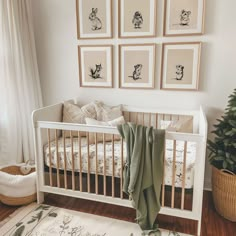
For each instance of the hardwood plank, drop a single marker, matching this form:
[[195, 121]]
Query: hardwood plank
[[212, 223]]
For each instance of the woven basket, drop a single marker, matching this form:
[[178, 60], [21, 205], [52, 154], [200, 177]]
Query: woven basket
[[16, 201], [224, 193]]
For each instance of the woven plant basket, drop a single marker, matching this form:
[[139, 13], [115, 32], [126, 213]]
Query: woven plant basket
[[224, 193], [16, 201]]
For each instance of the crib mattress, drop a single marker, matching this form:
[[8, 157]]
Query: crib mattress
[[191, 153]]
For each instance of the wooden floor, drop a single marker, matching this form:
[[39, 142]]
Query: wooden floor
[[212, 223]]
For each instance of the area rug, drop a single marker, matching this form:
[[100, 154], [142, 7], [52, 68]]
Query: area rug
[[44, 220]]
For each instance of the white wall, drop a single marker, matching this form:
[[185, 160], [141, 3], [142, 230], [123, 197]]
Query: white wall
[[56, 42]]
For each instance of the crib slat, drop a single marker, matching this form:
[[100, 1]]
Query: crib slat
[[96, 153], [156, 120], [88, 173], [128, 116], [113, 167], [50, 158], [173, 176], [121, 168], [104, 166], [136, 118], [80, 164], [143, 118], [65, 161], [150, 119], [72, 161], [163, 179], [57, 154], [184, 175]]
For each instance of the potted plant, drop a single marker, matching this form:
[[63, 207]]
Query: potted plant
[[223, 159]]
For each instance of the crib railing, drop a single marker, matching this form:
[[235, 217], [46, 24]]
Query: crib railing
[[58, 174], [61, 171], [92, 184]]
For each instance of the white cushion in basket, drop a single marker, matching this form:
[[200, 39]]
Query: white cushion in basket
[[17, 185]]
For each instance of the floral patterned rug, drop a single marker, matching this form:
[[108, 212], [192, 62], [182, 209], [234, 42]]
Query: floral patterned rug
[[44, 220]]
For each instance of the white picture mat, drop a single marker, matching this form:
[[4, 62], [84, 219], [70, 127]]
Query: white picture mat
[[108, 51], [196, 49], [108, 22], [151, 50], [185, 31], [152, 23]]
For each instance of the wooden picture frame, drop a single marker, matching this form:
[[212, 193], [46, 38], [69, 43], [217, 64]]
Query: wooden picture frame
[[96, 66], [180, 66], [184, 17], [137, 66], [137, 19], [94, 19]]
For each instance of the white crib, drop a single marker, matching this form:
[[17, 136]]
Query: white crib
[[72, 166]]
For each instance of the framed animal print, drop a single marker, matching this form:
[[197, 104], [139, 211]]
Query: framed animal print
[[137, 18], [137, 66], [184, 17], [180, 66], [95, 65], [94, 19]]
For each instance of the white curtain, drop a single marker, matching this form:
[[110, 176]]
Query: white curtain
[[20, 91]]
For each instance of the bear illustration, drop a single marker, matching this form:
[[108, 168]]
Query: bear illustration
[[185, 17]]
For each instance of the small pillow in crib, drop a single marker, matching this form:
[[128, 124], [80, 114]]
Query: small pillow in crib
[[107, 113], [74, 114], [183, 125], [118, 121]]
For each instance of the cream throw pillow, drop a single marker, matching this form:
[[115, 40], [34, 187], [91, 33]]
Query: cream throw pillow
[[183, 125], [118, 121], [107, 113], [74, 114]]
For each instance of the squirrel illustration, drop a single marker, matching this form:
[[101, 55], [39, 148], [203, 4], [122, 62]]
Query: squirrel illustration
[[96, 74], [96, 22]]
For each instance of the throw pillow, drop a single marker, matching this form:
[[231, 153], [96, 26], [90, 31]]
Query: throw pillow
[[74, 114], [183, 125], [108, 137], [107, 113]]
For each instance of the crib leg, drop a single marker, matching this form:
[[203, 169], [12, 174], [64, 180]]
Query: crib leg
[[199, 223], [40, 197]]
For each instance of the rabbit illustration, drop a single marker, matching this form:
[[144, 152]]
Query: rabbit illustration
[[96, 22], [96, 74]]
